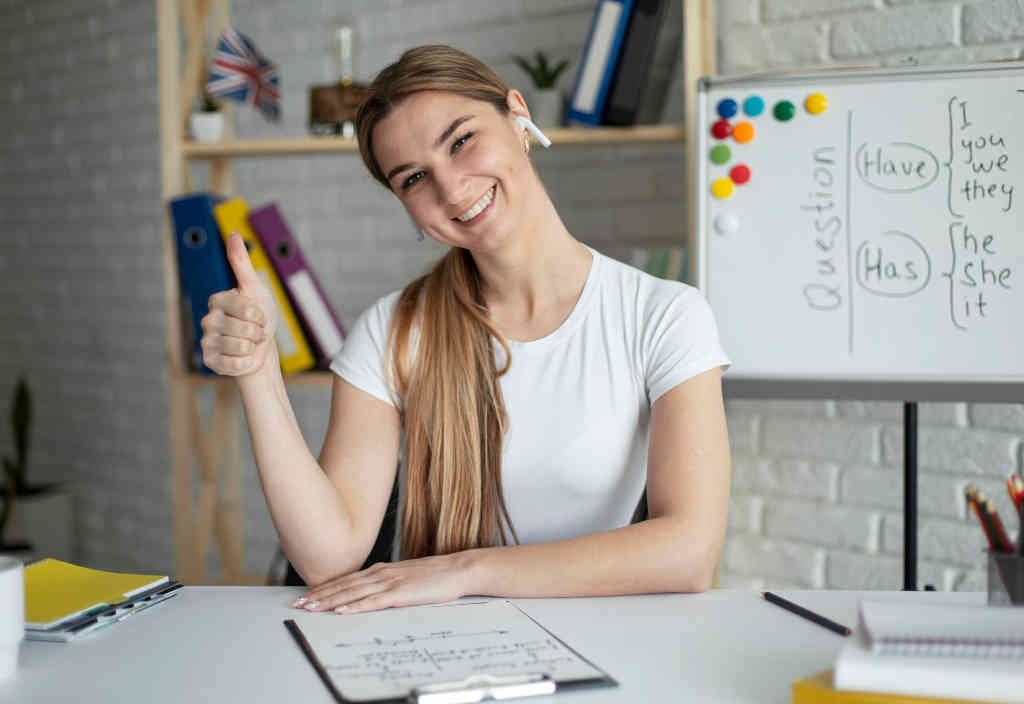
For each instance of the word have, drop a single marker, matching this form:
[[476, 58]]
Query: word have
[[987, 158], [824, 293]]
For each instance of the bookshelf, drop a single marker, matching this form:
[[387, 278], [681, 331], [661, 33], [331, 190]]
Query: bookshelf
[[206, 451]]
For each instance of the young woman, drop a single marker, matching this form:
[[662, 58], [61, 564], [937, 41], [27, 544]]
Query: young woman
[[538, 385]]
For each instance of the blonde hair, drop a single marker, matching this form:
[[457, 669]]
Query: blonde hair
[[454, 413]]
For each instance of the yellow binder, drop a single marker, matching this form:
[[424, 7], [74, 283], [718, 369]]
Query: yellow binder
[[818, 689], [292, 346]]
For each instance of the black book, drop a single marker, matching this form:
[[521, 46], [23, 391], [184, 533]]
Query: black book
[[638, 46]]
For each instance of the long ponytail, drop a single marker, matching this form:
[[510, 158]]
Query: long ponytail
[[443, 360]]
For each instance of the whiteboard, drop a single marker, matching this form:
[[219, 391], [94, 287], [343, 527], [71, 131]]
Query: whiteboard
[[878, 241]]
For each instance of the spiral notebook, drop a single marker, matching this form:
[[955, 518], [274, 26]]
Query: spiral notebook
[[894, 628], [943, 651]]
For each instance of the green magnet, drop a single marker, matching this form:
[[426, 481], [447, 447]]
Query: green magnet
[[784, 110], [720, 154]]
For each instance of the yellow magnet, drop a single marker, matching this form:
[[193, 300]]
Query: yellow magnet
[[722, 188], [816, 103]]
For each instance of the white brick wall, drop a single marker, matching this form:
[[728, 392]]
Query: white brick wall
[[787, 454], [81, 290], [817, 486]]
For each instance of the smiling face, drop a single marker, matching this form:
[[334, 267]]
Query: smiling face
[[458, 166]]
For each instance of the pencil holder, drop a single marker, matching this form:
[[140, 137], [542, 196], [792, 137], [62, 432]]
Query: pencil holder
[[1005, 579]]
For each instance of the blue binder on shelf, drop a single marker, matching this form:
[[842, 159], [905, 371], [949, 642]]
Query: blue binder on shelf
[[600, 60], [202, 265]]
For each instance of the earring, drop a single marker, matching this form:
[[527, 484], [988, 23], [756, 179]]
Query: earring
[[420, 236]]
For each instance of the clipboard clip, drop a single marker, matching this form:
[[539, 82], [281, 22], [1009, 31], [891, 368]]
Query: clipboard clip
[[476, 688]]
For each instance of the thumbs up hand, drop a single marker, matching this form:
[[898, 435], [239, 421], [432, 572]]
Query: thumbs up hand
[[238, 332]]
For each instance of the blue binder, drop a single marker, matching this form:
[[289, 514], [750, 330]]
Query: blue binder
[[202, 265], [600, 59]]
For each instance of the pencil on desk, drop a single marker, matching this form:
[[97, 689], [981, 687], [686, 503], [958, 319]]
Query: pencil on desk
[[806, 613]]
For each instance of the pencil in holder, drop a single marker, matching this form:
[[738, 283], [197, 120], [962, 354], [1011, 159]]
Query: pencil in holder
[[1005, 579]]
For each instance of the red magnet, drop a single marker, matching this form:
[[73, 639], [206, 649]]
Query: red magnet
[[740, 173], [721, 129]]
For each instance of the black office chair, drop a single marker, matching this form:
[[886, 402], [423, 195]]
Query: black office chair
[[381, 551]]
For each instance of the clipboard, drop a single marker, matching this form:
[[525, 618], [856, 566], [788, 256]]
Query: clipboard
[[409, 654]]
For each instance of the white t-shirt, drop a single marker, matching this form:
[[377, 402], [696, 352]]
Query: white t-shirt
[[579, 399]]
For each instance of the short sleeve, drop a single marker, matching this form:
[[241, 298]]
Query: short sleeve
[[681, 339], [362, 359]]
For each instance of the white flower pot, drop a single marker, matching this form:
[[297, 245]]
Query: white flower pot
[[546, 107], [206, 126]]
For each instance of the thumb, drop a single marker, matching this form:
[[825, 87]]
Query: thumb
[[238, 257]]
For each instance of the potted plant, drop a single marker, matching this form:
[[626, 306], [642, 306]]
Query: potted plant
[[207, 122], [38, 511], [545, 99]]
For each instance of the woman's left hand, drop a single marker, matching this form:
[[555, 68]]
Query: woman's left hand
[[426, 580]]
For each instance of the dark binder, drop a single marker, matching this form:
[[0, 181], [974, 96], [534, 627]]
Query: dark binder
[[600, 59], [202, 265], [631, 76]]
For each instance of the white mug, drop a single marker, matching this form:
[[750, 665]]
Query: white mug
[[12, 613]]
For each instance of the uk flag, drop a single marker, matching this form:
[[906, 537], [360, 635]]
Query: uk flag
[[241, 73]]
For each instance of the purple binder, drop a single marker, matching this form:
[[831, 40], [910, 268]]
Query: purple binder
[[311, 305]]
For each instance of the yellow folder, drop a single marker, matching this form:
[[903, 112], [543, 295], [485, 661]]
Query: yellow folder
[[292, 346], [818, 689], [56, 591]]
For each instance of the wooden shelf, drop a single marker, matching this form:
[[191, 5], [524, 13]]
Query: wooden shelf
[[641, 134]]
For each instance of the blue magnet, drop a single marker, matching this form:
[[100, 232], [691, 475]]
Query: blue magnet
[[754, 105], [727, 107]]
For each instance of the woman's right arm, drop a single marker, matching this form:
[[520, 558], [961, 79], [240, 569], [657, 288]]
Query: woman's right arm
[[327, 513]]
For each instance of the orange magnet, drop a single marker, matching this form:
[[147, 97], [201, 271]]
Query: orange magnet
[[743, 132]]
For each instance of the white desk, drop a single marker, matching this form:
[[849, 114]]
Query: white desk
[[228, 644]]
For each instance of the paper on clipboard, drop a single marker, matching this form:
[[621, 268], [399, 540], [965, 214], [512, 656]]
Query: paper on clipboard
[[388, 654]]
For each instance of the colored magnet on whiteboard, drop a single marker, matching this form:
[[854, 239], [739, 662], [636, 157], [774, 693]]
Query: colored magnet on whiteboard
[[743, 132], [722, 188], [784, 111], [721, 129], [727, 223], [816, 103], [720, 154], [727, 107], [740, 174], [754, 105]]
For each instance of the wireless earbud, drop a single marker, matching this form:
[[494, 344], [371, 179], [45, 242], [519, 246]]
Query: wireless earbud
[[527, 124]]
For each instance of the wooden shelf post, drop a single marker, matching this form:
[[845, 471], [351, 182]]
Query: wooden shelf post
[[220, 510]]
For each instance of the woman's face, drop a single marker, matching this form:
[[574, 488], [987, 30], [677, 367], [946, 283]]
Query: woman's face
[[458, 166]]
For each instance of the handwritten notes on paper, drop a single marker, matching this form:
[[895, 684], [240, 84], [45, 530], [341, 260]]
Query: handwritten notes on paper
[[386, 654]]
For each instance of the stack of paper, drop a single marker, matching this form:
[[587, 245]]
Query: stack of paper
[[937, 650], [64, 601]]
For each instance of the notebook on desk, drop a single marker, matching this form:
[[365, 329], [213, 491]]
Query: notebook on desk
[[458, 652], [64, 601], [936, 650]]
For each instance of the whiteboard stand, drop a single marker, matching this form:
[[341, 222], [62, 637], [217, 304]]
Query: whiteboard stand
[[910, 496], [855, 237]]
